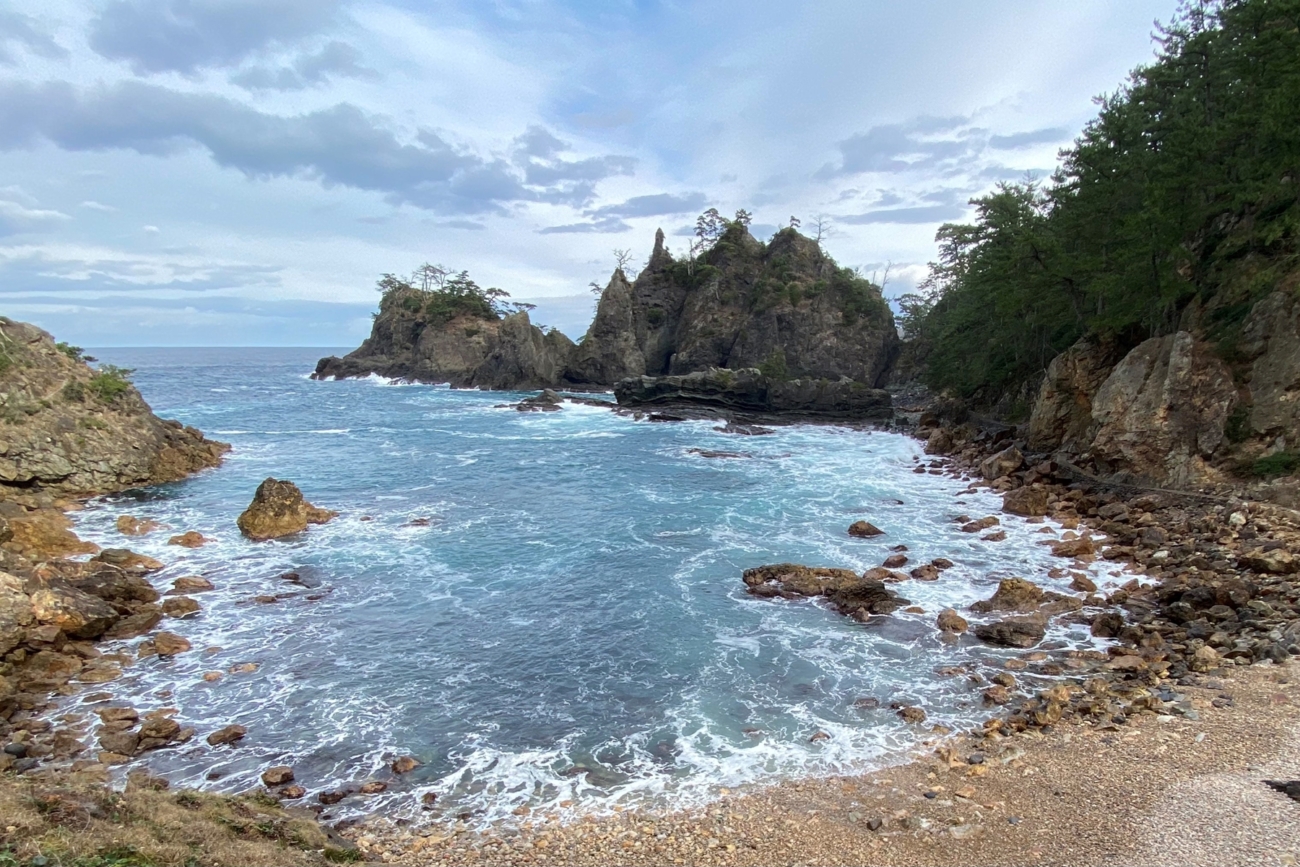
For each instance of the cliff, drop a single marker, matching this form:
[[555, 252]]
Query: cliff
[[67, 429], [784, 306], [748, 392]]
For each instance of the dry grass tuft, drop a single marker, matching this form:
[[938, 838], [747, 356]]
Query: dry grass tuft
[[77, 822]]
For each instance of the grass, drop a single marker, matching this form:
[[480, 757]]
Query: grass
[[73, 822]]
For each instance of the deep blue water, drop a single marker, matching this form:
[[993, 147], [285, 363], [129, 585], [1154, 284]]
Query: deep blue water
[[575, 598]]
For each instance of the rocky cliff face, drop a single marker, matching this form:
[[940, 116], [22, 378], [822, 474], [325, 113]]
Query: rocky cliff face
[[69, 430], [465, 351], [784, 306], [748, 391]]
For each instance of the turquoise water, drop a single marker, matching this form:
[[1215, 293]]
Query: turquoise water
[[575, 598]]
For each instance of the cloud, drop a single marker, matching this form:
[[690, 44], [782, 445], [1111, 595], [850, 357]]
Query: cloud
[[920, 214], [659, 204], [334, 60], [16, 218], [25, 31], [91, 205], [1028, 139], [921, 143], [605, 225], [66, 268], [537, 153], [185, 35], [336, 146]]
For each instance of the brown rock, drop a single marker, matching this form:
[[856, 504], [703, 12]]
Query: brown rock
[[158, 732], [119, 714], [128, 561], [1014, 631], [374, 787], [928, 572], [129, 525], [864, 530], [134, 625], [16, 615], [941, 563], [170, 644], [278, 509], [950, 621], [191, 584], [1082, 583], [1204, 659], [278, 775], [847, 591], [227, 735], [45, 534], [912, 715], [244, 668], [118, 587], [404, 765], [1062, 413], [1013, 594], [996, 536], [123, 743], [1030, 501], [893, 561], [997, 694], [328, 798], [292, 792], [75, 612], [189, 539], [981, 525], [180, 606], [1002, 464], [1073, 548], [212, 676]]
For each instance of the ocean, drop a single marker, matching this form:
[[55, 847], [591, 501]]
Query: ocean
[[545, 609]]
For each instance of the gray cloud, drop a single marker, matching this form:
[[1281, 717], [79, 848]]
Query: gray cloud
[[921, 214], [185, 35], [657, 205], [25, 31], [605, 225], [336, 146], [923, 142], [538, 151], [334, 60], [16, 219], [1027, 139]]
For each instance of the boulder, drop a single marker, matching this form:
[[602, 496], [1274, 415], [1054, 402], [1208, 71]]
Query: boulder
[[191, 584], [180, 606], [16, 614], [1162, 412], [129, 525], [76, 613], [547, 401], [116, 586], [1004, 463], [227, 735], [1013, 631], [981, 525], [189, 539], [913, 715], [1073, 548], [849, 593], [404, 765], [1277, 562], [1013, 594], [278, 509], [128, 561], [1029, 500], [277, 776], [864, 530], [170, 644], [45, 534], [893, 561], [950, 621]]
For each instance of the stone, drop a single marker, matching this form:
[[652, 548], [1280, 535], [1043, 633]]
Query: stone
[[1276, 562], [158, 732], [997, 536], [912, 715], [129, 525], [1013, 631], [1107, 624], [170, 644], [981, 525], [941, 563], [191, 584], [330, 798], [120, 742], [118, 714], [43, 534], [893, 561], [180, 606], [1204, 658], [16, 614], [135, 625], [189, 539], [128, 561], [227, 735], [928, 572], [950, 621], [1082, 583], [864, 530], [1073, 548], [374, 787], [118, 587], [292, 792], [1013, 594], [75, 612], [1029, 500], [404, 765], [1270, 338], [278, 775], [278, 509], [1004, 463], [848, 592]]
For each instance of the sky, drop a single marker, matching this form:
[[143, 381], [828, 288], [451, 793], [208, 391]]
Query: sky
[[242, 172]]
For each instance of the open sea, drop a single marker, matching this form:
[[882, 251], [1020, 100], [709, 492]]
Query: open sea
[[545, 609]]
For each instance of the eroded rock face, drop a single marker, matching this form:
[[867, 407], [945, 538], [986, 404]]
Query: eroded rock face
[[16, 613], [1271, 335], [850, 593], [522, 357], [1062, 414], [1162, 411], [278, 509], [749, 390], [69, 430]]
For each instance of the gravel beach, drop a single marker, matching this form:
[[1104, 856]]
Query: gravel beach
[[1161, 790]]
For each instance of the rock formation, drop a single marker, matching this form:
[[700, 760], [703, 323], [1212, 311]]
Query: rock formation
[[278, 509], [70, 430], [749, 391], [857, 596]]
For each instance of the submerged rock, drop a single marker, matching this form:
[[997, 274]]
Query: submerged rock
[[849, 593], [748, 390], [278, 509]]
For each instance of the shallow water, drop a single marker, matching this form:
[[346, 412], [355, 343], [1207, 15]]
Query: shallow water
[[574, 600]]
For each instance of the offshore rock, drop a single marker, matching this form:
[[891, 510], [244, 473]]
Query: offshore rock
[[278, 509], [70, 430], [847, 591], [749, 391]]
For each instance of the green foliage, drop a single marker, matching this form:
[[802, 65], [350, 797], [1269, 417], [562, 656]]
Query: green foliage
[[655, 316], [1184, 183], [1237, 427], [73, 391], [436, 295], [773, 367], [1280, 464], [336, 855], [73, 352], [110, 382]]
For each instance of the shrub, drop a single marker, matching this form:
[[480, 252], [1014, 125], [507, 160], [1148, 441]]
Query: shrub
[[1237, 428], [1280, 464], [110, 382], [773, 367], [73, 391], [73, 352]]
